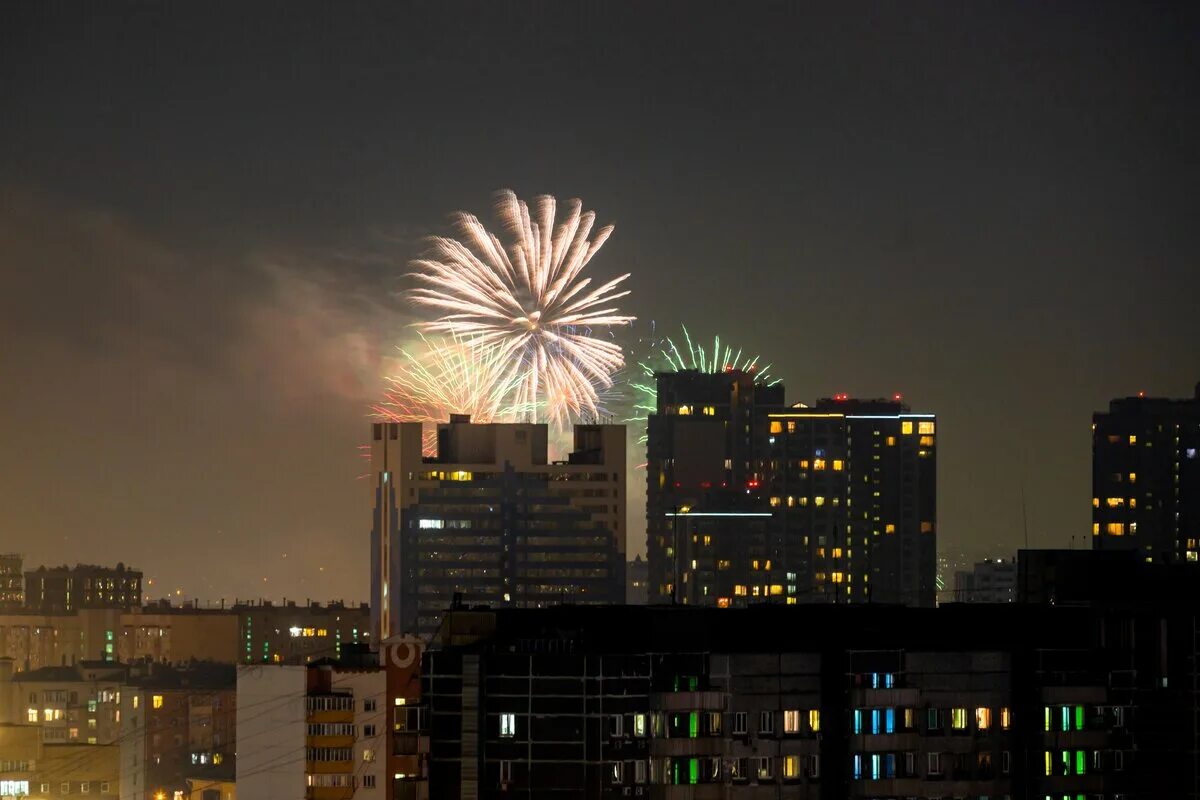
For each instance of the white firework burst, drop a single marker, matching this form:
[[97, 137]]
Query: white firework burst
[[529, 302]]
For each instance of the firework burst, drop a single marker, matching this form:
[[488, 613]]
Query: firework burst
[[528, 305], [443, 376], [666, 356]]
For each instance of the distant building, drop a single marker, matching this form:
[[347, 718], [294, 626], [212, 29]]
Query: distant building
[[992, 580], [636, 576], [175, 723], [855, 494], [706, 444], [750, 501], [297, 633], [1146, 477], [57, 590], [12, 582], [263, 632], [490, 520]]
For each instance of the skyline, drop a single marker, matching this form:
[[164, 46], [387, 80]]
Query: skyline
[[204, 232]]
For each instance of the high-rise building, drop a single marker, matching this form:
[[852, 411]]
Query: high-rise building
[[854, 488], [12, 582], [635, 582], [63, 589], [490, 519], [706, 449], [750, 500], [1146, 477]]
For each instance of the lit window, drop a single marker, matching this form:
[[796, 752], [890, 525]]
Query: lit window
[[639, 724], [814, 720], [958, 719], [983, 718], [818, 463], [1005, 718], [685, 411], [774, 502], [709, 411], [368, 755], [1115, 529], [926, 527], [1133, 477], [1095, 502], [791, 426], [1132, 439], [135, 701], [508, 724], [838, 465], [819, 500], [791, 721], [906, 427], [891, 441], [31, 715], [889, 528], [1095, 529], [791, 766], [1114, 502], [925, 427], [776, 426], [157, 701]]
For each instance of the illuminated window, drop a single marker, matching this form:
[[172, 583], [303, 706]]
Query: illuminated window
[[925, 427], [1115, 529], [819, 500], [958, 719], [1095, 529], [1114, 502], [685, 411], [983, 718], [926, 527], [1049, 763], [774, 502], [926, 441], [1095, 502], [818, 463], [508, 724], [776, 426], [1005, 718], [157, 701], [837, 465], [722, 602], [791, 501], [31, 715], [135, 701], [709, 411], [803, 501], [1133, 502], [837, 577], [906, 427], [1133, 477], [889, 528], [814, 720], [791, 721], [740, 590], [791, 426], [891, 441], [1133, 439], [461, 475], [791, 767]]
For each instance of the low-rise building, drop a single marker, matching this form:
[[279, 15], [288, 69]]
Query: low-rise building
[[992, 580]]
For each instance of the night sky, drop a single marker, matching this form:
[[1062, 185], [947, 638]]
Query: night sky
[[206, 212]]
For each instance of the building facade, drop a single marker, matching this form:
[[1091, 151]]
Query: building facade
[[58, 590], [706, 444], [174, 723], [489, 519], [749, 500], [68, 705], [319, 732], [12, 582], [866, 701], [1146, 477]]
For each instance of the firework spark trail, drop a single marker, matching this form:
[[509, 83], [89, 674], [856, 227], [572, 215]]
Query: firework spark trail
[[666, 356], [445, 376], [529, 303]]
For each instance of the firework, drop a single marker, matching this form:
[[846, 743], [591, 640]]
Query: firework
[[666, 356], [444, 376], [528, 303]]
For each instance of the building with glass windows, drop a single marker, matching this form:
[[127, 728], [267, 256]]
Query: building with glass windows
[[1093, 699], [489, 519], [749, 500], [1146, 477]]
